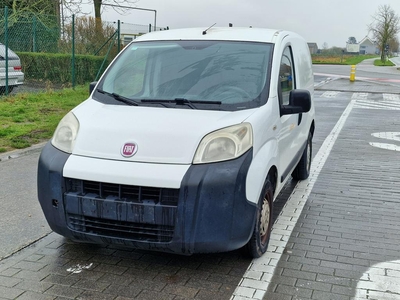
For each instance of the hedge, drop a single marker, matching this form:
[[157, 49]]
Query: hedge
[[57, 68]]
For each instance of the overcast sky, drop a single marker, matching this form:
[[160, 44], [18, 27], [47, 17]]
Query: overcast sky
[[317, 21]]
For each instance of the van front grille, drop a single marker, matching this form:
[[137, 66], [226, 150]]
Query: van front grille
[[128, 193], [118, 229], [121, 211]]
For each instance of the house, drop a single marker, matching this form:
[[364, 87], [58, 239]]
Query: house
[[365, 46], [313, 48], [130, 32]]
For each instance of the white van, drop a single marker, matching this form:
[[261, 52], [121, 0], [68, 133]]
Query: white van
[[184, 142]]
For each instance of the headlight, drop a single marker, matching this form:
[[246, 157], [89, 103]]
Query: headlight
[[66, 132], [225, 144]]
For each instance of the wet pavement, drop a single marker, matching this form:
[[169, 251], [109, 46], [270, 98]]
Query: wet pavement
[[335, 235]]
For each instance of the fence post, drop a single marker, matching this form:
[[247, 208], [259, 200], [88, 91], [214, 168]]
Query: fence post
[[6, 44], [34, 34], [149, 27], [119, 36], [73, 51]]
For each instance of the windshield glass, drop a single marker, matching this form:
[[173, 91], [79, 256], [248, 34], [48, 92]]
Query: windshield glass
[[234, 74]]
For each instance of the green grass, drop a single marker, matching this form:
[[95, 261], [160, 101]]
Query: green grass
[[339, 59], [27, 119], [387, 63]]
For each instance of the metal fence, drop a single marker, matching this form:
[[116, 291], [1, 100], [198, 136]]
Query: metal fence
[[46, 52]]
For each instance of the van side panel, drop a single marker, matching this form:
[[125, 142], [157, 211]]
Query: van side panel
[[303, 65], [264, 159]]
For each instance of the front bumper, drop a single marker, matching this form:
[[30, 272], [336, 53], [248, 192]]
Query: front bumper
[[208, 213]]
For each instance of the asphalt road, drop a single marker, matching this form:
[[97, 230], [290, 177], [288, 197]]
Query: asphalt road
[[365, 70], [21, 219]]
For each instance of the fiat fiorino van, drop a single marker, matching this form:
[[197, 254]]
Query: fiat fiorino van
[[184, 142]]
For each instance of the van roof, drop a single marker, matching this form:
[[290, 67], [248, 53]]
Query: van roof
[[216, 33]]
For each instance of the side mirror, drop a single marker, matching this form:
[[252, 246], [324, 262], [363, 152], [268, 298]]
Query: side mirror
[[299, 102], [92, 86]]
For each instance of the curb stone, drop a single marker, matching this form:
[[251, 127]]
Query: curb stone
[[21, 152]]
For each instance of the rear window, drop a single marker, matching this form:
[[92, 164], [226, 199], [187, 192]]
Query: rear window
[[11, 54], [233, 73]]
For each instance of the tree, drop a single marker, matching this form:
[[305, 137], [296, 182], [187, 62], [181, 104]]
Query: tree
[[325, 46], [38, 8], [352, 40], [75, 6], [87, 39], [31, 25], [394, 45], [385, 27]]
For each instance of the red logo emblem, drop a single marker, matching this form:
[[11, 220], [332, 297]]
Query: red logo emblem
[[129, 149]]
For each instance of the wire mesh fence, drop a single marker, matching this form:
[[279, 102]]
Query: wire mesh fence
[[45, 52]]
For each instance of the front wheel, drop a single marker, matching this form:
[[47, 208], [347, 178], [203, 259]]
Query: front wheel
[[258, 243], [302, 170]]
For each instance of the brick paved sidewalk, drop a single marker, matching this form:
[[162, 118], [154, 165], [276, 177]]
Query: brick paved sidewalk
[[346, 242], [55, 268]]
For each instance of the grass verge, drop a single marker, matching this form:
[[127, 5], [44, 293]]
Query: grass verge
[[27, 119], [387, 63], [339, 59]]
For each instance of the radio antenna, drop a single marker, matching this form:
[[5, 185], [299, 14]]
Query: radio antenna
[[205, 31]]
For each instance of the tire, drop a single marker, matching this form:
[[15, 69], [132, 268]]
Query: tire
[[3, 89], [302, 170], [258, 243]]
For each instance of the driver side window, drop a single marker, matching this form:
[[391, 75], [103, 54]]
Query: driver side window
[[286, 76]]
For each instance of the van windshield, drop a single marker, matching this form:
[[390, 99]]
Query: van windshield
[[208, 74]]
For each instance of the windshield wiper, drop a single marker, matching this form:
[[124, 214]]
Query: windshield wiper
[[120, 98], [183, 101]]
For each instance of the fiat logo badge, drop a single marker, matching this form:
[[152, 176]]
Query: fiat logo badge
[[129, 149]]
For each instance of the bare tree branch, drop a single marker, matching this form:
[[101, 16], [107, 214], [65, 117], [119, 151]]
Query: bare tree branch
[[384, 27], [75, 6]]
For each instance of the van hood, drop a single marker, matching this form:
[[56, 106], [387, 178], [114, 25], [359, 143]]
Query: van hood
[[161, 135]]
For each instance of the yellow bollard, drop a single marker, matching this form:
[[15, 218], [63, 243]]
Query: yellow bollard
[[353, 73]]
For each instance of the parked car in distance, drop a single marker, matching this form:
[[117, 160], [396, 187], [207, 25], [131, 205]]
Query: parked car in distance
[[15, 74], [184, 143]]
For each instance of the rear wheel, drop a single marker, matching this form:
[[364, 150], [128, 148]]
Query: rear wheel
[[302, 170], [258, 243]]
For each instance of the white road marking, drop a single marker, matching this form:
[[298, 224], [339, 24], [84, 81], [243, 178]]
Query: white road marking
[[386, 146], [391, 97], [330, 94], [371, 104], [391, 136], [359, 96], [376, 105], [256, 279]]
